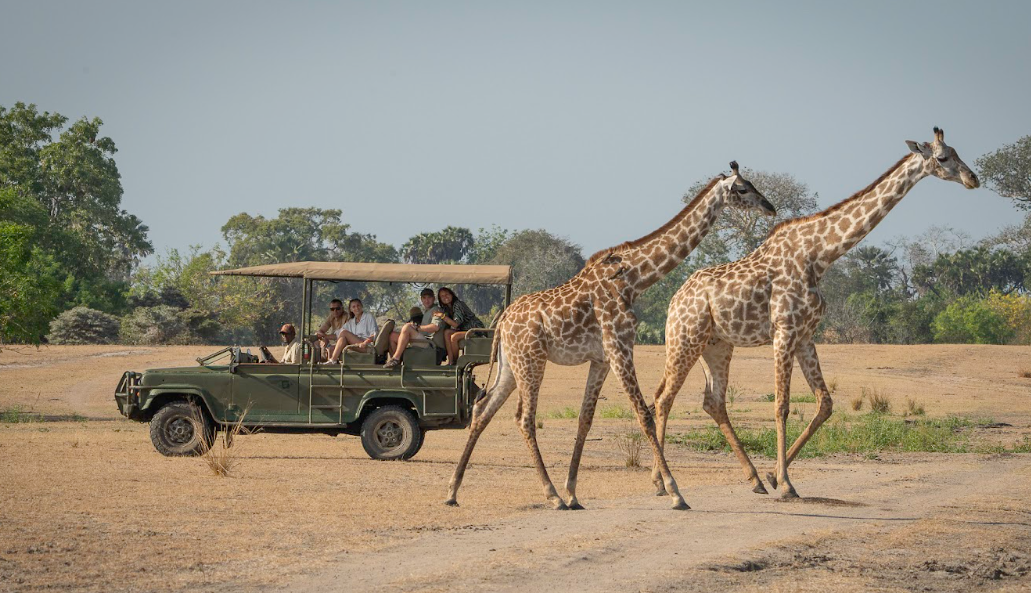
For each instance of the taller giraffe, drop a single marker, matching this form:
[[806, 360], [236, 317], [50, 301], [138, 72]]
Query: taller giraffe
[[590, 319], [772, 295]]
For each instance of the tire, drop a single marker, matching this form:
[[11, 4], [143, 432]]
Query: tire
[[391, 432], [181, 429]]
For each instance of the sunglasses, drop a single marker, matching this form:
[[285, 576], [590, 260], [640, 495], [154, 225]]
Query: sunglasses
[[336, 308], [282, 333]]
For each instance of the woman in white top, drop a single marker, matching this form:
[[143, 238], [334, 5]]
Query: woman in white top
[[359, 329]]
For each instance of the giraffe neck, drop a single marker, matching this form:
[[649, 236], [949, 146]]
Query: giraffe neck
[[651, 258], [840, 227]]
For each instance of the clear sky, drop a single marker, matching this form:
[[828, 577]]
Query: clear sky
[[588, 119]]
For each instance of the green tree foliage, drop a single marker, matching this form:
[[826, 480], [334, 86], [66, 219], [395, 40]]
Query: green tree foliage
[[82, 325], [974, 271], [1007, 171], [60, 220], [449, 246], [539, 260]]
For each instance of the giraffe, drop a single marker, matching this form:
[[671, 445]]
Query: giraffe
[[772, 295], [589, 319]]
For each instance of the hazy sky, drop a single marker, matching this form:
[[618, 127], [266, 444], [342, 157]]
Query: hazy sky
[[589, 119]]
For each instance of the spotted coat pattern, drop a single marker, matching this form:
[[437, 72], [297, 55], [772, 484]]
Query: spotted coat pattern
[[772, 296], [590, 319]]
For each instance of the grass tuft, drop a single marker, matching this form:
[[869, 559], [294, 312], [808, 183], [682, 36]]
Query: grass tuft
[[857, 402], [863, 434], [630, 443], [222, 457], [914, 408], [807, 398], [1024, 373], [879, 402], [18, 415], [566, 412], [617, 412]]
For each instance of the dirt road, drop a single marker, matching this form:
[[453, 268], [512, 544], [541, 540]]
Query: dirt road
[[636, 544]]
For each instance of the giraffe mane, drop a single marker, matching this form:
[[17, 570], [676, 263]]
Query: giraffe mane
[[628, 245], [856, 196]]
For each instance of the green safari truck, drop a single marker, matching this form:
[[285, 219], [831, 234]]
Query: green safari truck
[[389, 408]]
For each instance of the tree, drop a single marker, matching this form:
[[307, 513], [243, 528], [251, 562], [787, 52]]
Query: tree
[[65, 238], [1007, 171], [737, 232], [539, 260], [448, 246]]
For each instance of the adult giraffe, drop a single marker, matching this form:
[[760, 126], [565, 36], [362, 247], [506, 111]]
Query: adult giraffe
[[590, 319], [772, 295]]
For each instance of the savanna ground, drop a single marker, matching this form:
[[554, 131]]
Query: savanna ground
[[87, 504]]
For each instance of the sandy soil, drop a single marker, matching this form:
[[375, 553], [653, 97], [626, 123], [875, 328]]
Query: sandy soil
[[87, 504]]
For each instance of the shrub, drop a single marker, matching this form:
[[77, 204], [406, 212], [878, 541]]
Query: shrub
[[156, 325], [630, 441], [969, 320], [82, 325], [1015, 311]]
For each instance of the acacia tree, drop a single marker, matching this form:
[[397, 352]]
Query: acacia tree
[[1007, 171]]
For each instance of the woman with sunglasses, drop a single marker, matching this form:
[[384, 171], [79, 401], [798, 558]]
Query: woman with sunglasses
[[358, 329], [330, 329]]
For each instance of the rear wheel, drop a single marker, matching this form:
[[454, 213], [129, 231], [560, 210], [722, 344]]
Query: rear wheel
[[180, 429], [391, 432]]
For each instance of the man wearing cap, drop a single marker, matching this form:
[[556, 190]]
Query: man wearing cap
[[291, 347], [412, 332]]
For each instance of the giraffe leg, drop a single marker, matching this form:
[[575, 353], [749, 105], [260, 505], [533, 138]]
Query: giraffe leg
[[528, 380], [679, 362], [595, 379], [810, 365], [483, 411], [716, 363], [783, 357], [618, 332]]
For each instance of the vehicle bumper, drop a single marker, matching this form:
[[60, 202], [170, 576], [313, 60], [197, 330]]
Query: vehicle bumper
[[127, 395]]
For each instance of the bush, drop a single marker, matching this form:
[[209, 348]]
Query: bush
[[82, 325], [970, 320], [156, 325]]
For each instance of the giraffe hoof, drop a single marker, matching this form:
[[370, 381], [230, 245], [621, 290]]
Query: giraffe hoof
[[451, 502], [759, 488], [681, 506], [576, 506], [560, 506], [789, 494], [661, 491], [772, 479]]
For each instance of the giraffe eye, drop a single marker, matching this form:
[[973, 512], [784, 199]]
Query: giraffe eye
[[942, 159], [741, 191]]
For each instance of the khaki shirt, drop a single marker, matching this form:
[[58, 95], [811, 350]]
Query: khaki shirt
[[291, 353]]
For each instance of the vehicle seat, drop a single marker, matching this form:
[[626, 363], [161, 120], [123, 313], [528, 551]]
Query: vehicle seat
[[420, 355]]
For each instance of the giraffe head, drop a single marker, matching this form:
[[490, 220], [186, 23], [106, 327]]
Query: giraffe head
[[943, 160], [742, 194]]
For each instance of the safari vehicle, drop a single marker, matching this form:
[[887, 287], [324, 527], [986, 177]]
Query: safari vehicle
[[391, 409]]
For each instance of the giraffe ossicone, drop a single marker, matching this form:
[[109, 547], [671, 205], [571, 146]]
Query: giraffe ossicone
[[590, 318], [772, 296]]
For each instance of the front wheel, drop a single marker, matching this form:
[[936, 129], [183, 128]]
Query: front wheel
[[181, 429], [391, 432]]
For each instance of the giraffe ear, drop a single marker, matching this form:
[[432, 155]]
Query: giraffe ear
[[939, 134], [921, 148]]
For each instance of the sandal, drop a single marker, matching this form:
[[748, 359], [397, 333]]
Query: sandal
[[391, 363]]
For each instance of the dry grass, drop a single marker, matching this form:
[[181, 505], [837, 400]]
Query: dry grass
[[857, 402], [1024, 373], [222, 458], [630, 442], [879, 402], [914, 408]]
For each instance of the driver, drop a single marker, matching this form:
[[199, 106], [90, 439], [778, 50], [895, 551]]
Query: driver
[[291, 347]]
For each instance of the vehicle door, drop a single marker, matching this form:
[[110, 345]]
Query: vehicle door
[[268, 392]]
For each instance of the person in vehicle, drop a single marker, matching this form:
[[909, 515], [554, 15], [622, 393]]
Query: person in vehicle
[[329, 331], [359, 329], [291, 347], [420, 333], [458, 319]]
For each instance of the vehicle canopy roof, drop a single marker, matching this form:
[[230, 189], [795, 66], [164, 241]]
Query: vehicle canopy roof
[[376, 272]]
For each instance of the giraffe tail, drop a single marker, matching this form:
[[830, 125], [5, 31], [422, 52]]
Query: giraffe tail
[[495, 349]]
